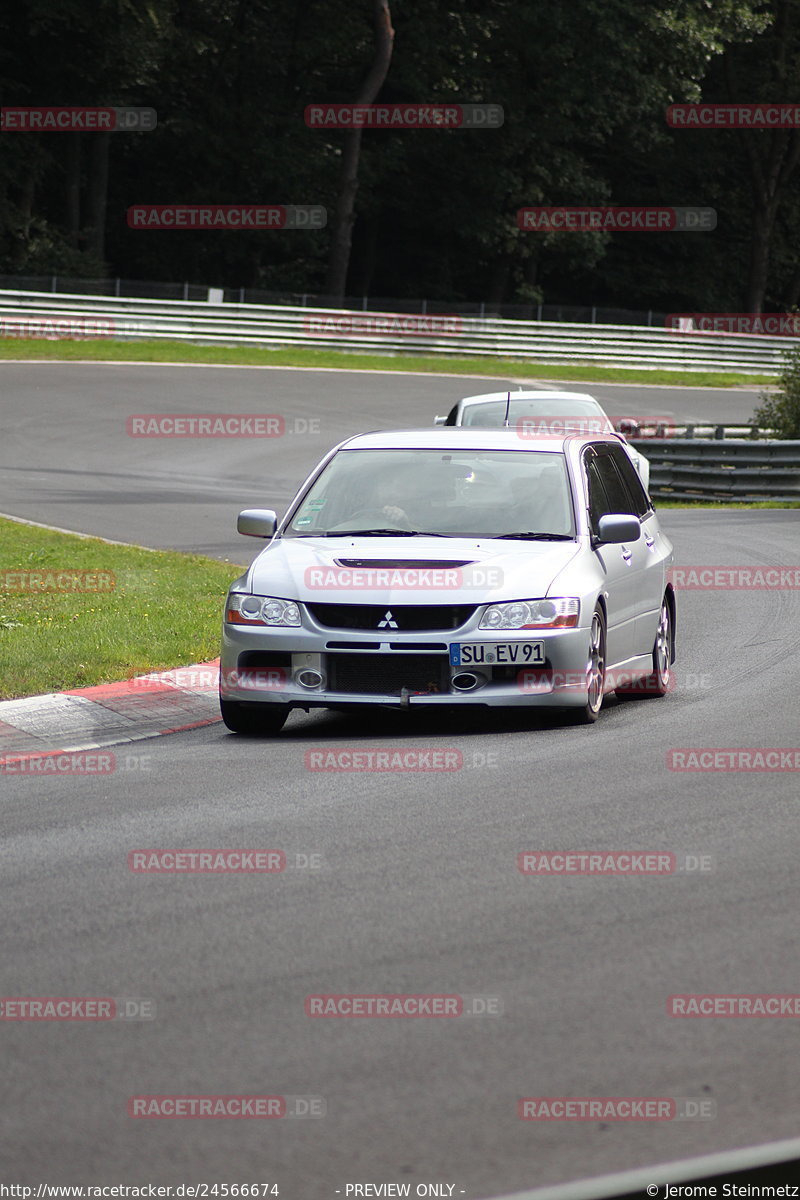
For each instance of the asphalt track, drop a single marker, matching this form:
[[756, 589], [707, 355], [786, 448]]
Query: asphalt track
[[419, 890], [66, 459]]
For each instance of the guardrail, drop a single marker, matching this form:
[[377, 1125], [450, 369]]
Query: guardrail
[[719, 430], [45, 315], [692, 469]]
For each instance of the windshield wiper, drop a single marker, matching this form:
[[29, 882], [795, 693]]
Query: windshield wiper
[[374, 533], [537, 537]]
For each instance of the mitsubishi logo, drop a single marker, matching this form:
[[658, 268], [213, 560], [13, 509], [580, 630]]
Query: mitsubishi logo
[[388, 622]]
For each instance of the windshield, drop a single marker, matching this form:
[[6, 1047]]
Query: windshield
[[463, 493], [545, 417]]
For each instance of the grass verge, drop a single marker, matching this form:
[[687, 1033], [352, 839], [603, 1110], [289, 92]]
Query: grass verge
[[109, 350], [163, 611]]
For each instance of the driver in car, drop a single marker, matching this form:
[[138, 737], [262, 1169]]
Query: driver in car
[[379, 498]]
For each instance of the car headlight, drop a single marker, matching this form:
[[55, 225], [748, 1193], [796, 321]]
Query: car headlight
[[559, 613], [244, 609]]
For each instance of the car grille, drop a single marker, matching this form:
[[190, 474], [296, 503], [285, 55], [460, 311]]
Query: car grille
[[416, 617], [388, 674]]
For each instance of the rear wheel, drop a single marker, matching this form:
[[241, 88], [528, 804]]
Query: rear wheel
[[253, 719], [659, 681], [595, 671]]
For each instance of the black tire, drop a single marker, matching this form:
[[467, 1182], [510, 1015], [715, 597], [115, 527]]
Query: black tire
[[253, 720], [588, 713], [659, 681]]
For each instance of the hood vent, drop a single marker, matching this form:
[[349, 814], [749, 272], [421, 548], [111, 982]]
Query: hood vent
[[404, 564]]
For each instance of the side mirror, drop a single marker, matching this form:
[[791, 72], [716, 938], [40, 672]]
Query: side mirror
[[440, 420], [615, 528], [257, 522]]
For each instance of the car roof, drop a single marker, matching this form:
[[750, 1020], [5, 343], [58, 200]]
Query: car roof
[[523, 395], [458, 437]]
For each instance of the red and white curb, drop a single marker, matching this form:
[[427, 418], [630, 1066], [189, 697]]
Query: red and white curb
[[110, 714]]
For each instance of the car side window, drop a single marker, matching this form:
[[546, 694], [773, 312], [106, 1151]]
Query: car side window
[[641, 502], [598, 501], [616, 492]]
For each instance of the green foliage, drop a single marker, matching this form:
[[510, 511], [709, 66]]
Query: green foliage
[[780, 410], [584, 85]]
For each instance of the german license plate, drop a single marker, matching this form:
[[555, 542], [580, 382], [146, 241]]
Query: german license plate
[[497, 654]]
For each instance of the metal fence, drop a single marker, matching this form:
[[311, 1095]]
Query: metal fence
[[690, 469], [139, 289], [214, 322]]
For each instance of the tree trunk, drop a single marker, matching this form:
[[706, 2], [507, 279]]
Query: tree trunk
[[98, 192], [758, 273], [366, 266], [342, 234], [498, 284], [73, 196]]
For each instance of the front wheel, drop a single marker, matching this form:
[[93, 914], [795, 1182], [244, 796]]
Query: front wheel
[[595, 671], [253, 719], [659, 681]]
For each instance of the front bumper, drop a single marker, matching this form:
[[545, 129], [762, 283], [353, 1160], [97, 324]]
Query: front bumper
[[280, 666]]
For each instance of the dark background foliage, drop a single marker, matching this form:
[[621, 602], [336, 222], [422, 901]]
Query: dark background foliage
[[584, 85]]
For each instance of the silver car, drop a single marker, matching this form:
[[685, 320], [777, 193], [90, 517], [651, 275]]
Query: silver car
[[537, 412], [452, 567]]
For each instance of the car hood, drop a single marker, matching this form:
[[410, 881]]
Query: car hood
[[413, 570]]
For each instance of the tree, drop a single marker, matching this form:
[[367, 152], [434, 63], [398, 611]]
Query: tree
[[780, 410], [341, 238], [763, 69]]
